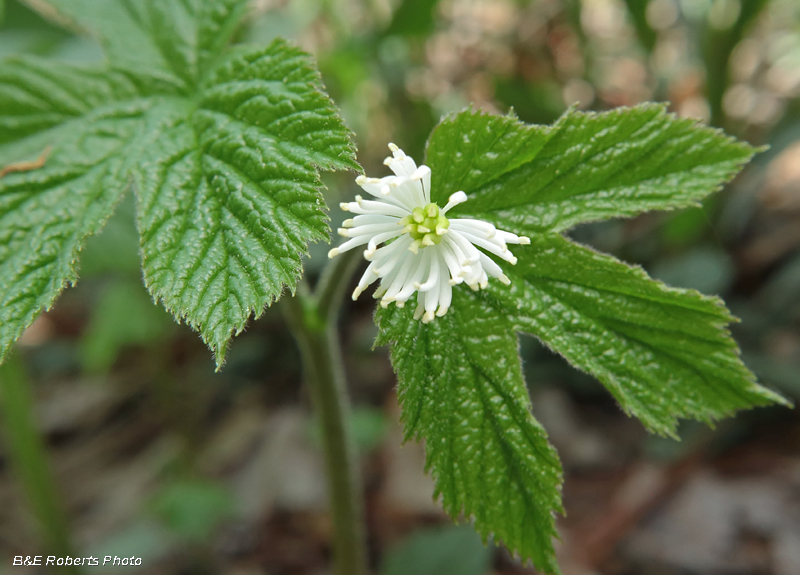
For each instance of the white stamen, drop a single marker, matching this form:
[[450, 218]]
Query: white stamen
[[454, 200], [433, 276]]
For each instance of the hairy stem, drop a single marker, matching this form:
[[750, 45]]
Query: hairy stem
[[29, 462], [312, 321]]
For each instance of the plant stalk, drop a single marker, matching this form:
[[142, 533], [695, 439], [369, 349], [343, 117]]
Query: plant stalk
[[312, 320], [29, 461]]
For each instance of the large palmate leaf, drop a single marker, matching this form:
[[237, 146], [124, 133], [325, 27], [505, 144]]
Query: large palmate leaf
[[222, 147], [461, 389], [664, 353], [38, 94]]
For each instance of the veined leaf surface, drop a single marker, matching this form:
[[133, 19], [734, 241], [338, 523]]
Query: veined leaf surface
[[223, 148]]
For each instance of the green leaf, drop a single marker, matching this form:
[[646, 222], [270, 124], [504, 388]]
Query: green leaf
[[664, 353], [223, 148], [243, 166], [461, 389], [587, 167], [193, 508], [46, 214], [414, 18], [172, 41], [38, 94]]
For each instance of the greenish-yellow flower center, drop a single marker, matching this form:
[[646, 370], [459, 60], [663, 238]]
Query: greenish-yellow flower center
[[426, 226]]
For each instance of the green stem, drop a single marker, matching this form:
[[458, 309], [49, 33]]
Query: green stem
[[28, 457], [332, 283], [312, 321]]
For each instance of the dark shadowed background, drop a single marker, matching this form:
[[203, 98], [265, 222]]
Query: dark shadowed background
[[154, 455]]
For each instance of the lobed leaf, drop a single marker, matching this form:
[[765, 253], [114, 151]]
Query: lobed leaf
[[461, 389], [587, 167], [224, 148], [243, 167], [664, 353]]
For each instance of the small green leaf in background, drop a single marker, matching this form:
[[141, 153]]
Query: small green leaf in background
[[115, 250], [707, 269], [664, 353], [451, 550], [368, 426], [414, 18], [461, 389], [193, 508], [686, 227], [637, 10], [125, 315], [223, 147], [146, 538]]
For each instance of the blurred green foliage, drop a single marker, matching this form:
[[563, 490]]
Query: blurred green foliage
[[192, 508], [452, 550], [369, 427], [27, 456], [414, 18], [124, 316]]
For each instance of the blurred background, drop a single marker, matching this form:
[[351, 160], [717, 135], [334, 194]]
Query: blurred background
[[152, 454]]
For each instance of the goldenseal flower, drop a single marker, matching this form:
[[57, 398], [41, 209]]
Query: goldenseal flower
[[423, 250]]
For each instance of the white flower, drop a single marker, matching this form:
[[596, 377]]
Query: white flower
[[423, 250]]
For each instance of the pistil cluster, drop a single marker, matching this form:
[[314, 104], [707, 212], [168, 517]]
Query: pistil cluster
[[423, 251], [426, 226]]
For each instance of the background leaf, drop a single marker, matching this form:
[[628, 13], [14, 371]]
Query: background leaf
[[124, 316], [452, 550]]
